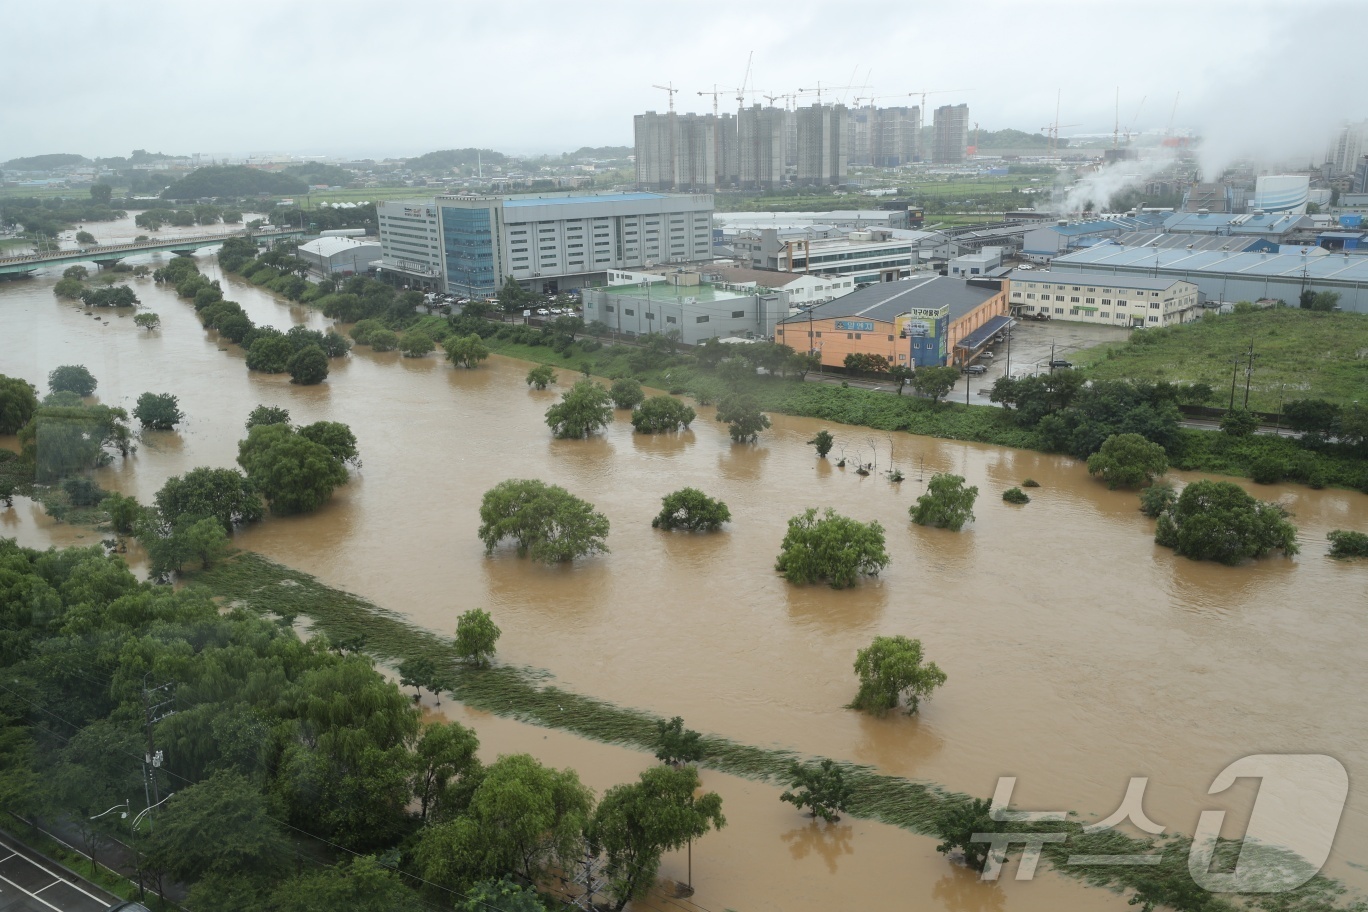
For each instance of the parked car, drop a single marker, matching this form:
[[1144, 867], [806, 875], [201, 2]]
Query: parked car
[[986, 356], [1060, 362], [543, 312], [976, 369]]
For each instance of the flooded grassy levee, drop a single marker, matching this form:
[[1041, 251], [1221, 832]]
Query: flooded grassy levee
[[1079, 654]]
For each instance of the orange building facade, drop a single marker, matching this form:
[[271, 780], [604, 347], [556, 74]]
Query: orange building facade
[[919, 325]]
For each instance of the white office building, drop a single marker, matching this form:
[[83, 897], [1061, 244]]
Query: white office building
[[411, 241]]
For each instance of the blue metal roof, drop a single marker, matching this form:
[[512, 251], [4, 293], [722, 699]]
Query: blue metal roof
[[1089, 227], [586, 198], [1331, 267]]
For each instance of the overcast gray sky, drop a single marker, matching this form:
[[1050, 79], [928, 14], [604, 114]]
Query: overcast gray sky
[[403, 77]]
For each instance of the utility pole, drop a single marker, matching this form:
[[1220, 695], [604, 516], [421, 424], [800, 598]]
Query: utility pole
[[1249, 373], [152, 760], [592, 882], [1234, 375]]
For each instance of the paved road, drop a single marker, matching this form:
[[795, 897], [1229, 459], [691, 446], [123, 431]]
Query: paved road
[[31, 883]]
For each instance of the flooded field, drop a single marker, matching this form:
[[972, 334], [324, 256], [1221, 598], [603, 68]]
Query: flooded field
[[1079, 653]]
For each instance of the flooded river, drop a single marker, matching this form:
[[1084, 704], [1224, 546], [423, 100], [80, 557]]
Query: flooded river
[[1079, 654]]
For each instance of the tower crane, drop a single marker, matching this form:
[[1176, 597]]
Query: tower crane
[[741, 89], [820, 89], [1052, 131], [715, 95], [935, 92], [1130, 127], [668, 87]]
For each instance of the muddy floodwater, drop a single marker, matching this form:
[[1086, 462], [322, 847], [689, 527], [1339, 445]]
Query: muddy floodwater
[[1079, 654]]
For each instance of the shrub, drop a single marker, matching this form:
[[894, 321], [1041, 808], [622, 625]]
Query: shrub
[[1128, 460], [416, 344], [1016, 496], [626, 393], [1030, 483], [1157, 499], [1269, 469], [1344, 543], [383, 340]]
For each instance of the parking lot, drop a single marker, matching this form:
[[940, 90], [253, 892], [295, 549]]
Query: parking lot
[[31, 883], [1031, 346]]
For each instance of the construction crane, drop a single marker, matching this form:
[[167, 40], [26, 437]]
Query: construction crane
[[1169, 139], [936, 92], [1130, 127], [715, 94], [1052, 131], [669, 87], [820, 89], [773, 98], [741, 89], [973, 150]]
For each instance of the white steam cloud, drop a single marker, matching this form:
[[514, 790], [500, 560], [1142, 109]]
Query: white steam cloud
[[1100, 186]]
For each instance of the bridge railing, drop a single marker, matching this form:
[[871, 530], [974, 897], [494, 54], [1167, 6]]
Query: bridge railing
[[157, 244]]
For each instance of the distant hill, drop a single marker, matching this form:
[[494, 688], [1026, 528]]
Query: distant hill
[[319, 173], [1013, 139], [447, 159], [600, 152], [233, 181], [43, 162]]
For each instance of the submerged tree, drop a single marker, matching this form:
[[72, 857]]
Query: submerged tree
[[676, 744], [743, 418], [833, 549], [823, 442], [1128, 461], [1219, 521], [547, 522], [636, 823], [159, 411], [819, 787], [583, 409], [662, 415], [476, 634], [891, 671], [691, 510], [947, 503], [541, 376]]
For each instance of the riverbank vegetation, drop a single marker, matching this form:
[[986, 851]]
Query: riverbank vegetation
[[315, 774]]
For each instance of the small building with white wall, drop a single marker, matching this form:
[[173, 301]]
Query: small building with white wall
[[339, 256]]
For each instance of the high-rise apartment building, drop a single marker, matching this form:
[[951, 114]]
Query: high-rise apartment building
[[859, 127], [1347, 148], [676, 151], [821, 138], [895, 136], [951, 133], [728, 151], [760, 138]]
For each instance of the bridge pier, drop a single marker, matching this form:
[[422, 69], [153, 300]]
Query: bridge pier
[[106, 262]]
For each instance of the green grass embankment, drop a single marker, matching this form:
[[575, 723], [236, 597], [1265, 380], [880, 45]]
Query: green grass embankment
[[1298, 354]]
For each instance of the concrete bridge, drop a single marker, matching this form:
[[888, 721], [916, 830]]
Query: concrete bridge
[[24, 264]]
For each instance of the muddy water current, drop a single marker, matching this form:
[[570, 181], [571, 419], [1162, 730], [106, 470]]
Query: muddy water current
[[1079, 654]]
